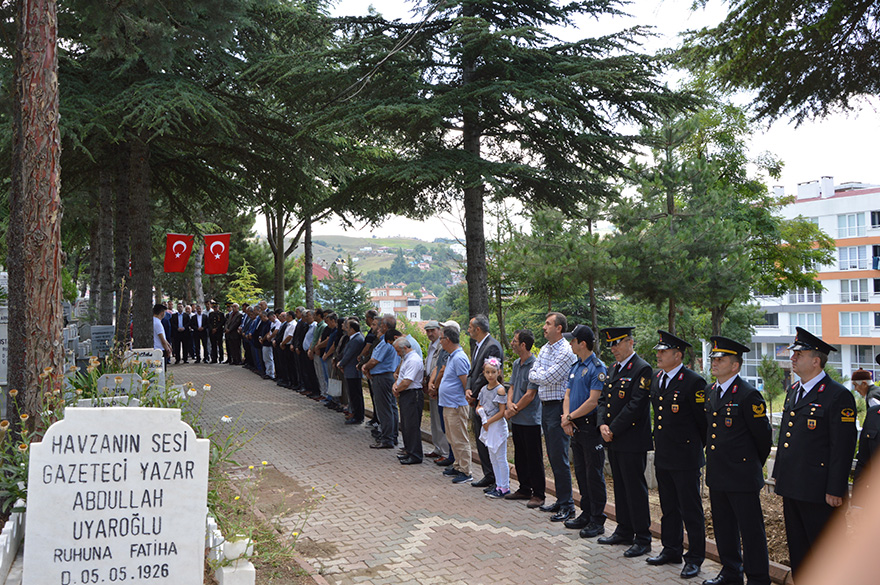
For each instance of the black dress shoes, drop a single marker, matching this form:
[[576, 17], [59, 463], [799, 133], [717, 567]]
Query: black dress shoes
[[485, 482], [637, 550], [352, 421], [564, 513], [615, 539], [723, 579], [445, 462], [577, 523], [554, 507], [592, 530], [381, 446], [690, 570], [662, 559], [410, 461]]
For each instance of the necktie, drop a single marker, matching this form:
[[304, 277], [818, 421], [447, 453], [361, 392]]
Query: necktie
[[664, 383]]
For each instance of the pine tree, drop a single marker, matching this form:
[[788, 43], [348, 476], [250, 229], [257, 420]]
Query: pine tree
[[343, 293], [243, 288]]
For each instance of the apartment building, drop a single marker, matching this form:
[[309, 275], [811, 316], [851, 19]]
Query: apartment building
[[847, 313]]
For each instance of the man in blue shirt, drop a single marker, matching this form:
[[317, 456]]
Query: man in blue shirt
[[456, 412], [380, 370], [586, 379]]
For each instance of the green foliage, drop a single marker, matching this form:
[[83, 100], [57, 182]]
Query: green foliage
[[68, 287], [805, 59], [773, 375], [243, 288], [342, 292]]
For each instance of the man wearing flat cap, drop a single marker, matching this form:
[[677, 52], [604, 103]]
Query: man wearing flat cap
[[816, 445], [738, 444], [863, 383], [869, 439], [625, 425], [679, 399]]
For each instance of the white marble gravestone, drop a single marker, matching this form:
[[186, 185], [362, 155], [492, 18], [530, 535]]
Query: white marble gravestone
[[117, 495], [116, 384], [149, 357]]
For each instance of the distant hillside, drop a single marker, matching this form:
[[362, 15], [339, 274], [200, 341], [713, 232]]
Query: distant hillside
[[328, 248]]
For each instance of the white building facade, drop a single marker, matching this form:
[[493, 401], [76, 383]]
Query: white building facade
[[847, 313]]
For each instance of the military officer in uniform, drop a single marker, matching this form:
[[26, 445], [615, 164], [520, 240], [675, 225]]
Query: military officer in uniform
[[625, 426], [816, 445], [737, 447], [679, 400]]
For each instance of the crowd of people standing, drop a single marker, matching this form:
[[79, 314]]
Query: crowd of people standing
[[567, 402]]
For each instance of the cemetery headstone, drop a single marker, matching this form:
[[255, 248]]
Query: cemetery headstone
[[116, 495], [149, 357], [102, 339], [117, 384], [108, 401]]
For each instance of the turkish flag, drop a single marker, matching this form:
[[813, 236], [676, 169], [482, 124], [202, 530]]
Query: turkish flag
[[178, 247], [217, 254]]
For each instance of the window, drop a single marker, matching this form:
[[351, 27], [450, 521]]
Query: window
[[802, 295], [851, 225], [854, 291], [770, 320], [855, 324], [853, 258], [875, 219], [876, 285], [756, 354], [812, 322], [877, 319]]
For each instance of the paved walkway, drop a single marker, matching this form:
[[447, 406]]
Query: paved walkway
[[386, 523]]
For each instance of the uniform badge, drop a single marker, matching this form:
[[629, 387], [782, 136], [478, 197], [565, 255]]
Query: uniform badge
[[629, 366], [681, 377], [674, 408], [847, 415], [700, 396], [811, 423], [571, 376], [602, 377], [621, 394], [584, 372], [759, 410], [728, 422], [645, 383]]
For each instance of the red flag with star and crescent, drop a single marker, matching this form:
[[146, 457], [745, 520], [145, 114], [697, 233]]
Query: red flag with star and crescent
[[217, 254], [178, 247]]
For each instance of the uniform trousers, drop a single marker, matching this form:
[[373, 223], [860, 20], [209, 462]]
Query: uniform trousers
[[217, 347], [233, 347], [631, 495], [355, 398], [528, 458], [268, 360], [589, 469], [681, 503], [411, 402], [557, 450], [482, 450], [386, 409], [456, 419], [438, 435], [804, 522], [735, 515]]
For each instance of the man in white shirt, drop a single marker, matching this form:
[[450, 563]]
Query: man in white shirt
[[159, 341], [408, 390]]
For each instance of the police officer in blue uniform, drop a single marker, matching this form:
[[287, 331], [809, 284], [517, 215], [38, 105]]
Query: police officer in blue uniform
[[625, 426], [816, 445], [737, 447], [586, 381], [679, 400]]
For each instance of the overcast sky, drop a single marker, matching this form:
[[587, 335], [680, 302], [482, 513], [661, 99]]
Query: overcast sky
[[838, 146]]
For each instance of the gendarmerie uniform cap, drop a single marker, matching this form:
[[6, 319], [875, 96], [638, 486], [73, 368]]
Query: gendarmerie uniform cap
[[861, 374], [613, 335], [722, 346], [670, 341], [804, 340], [581, 333]]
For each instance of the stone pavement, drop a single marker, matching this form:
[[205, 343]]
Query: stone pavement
[[381, 522]]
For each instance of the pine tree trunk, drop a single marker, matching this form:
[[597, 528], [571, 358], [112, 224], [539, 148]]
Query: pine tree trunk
[[122, 246], [95, 253], [105, 245], [310, 285], [279, 250], [34, 236], [198, 268], [141, 245]]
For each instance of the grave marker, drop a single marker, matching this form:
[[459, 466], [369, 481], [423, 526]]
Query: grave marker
[[102, 339], [117, 384], [117, 495]]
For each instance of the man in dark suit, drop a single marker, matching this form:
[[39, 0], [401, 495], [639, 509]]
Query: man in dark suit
[[483, 345], [198, 326], [738, 444], [348, 364], [180, 334], [233, 337], [678, 396], [625, 425], [817, 440]]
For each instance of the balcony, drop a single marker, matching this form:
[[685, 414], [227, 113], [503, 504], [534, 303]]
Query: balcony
[[854, 297]]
